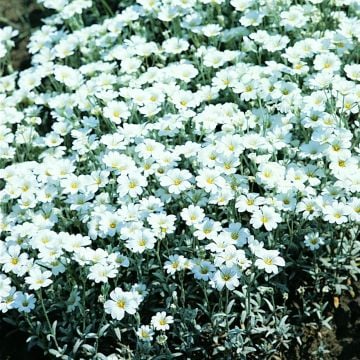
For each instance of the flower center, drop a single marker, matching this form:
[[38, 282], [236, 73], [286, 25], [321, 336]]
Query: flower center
[[120, 304], [14, 261], [132, 184], [268, 261]]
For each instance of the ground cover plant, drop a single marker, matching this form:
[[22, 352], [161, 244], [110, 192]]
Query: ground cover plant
[[180, 178]]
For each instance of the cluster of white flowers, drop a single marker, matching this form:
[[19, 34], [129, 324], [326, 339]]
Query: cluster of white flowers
[[198, 149], [160, 321]]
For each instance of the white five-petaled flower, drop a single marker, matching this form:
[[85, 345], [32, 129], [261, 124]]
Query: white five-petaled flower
[[116, 111], [161, 321], [121, 302], [265, 216], [337, 213], [313, 241], [269, 260], [145, 333], [176, 180], [131, 184], [38, 279], [24, 302], [226, 276]]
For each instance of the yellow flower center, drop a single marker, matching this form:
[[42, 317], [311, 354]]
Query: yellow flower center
[[268, 261], [267, 173], [120, 304], [132, 184]]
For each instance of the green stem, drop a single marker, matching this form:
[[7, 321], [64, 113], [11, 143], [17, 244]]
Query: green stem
[[47, 319]]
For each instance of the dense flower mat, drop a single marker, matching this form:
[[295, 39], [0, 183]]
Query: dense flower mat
[[180, 178]]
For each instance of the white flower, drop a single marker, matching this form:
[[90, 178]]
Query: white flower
[[192, 215], [119, 162], [38, 279], [15, 261], [74, 242], [265, 216], [269, 260], [354, 208], [116, 111], [249, 202], [175, 45], [68, 76], [211, 30], [161, 321], [270, 173], [336, 213], [145, 333], [101, 273], [210, 180], [149, 148], [72, 184], [176, 180], [328, 62], [228, 277], [5, 285], [121, 302], [3, 50], [162, 223], [202, 269], [228, 257], [24, 302], [175, 263], [353, 71], [131, 184], [313, 241], [141, 240], [208, 229], [7, 302]]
